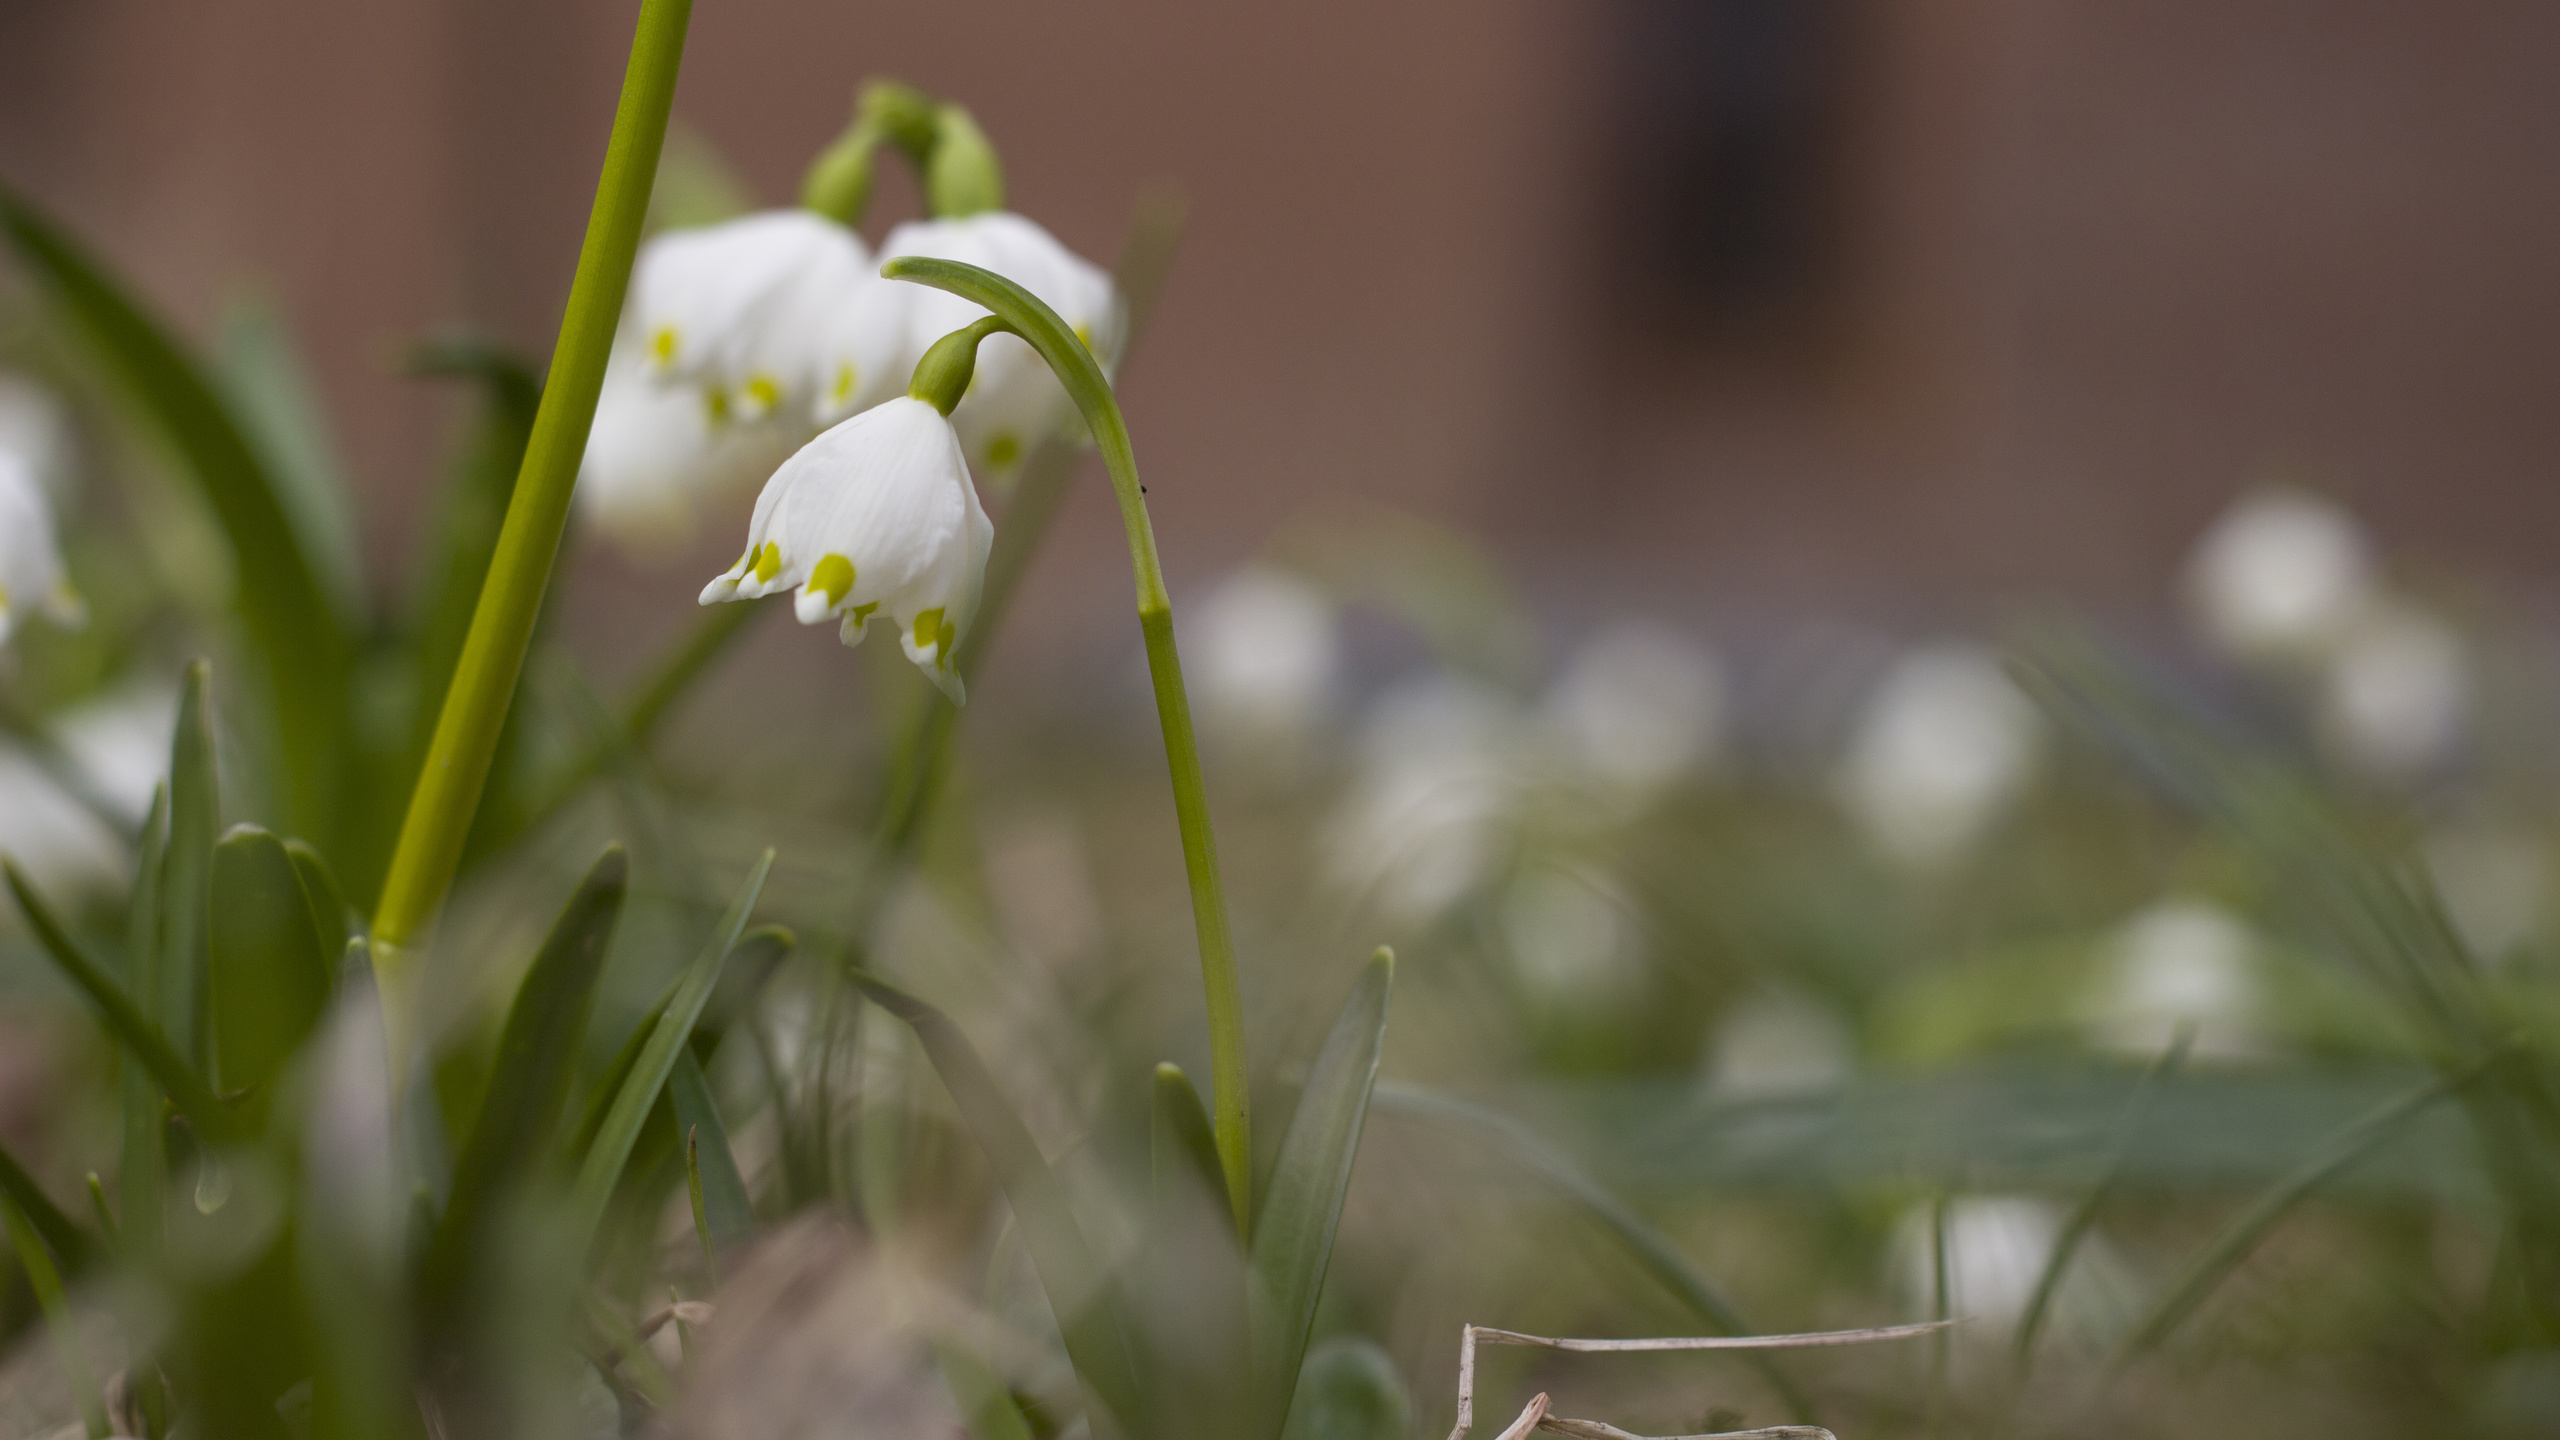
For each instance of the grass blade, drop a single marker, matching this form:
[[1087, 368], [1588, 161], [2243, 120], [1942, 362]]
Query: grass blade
[[728, 1218], [1079, 1296], [60, 1234], [142, 1163], [741, 980], [47, 1283], [173, 985], [1184, 1148], [1293, 1238], [129, 1025], [601, 1168], [2232, 1243], [511, 1136], [1670, 1268], [330, 913], [269, 386], [1187, 1311], [267, 973], [301, 636]]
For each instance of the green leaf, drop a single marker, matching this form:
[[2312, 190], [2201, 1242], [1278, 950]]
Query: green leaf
[[172, 991], [1184, 1148], [143, 1159], [129, 1025], [758, 955], [1187, 1308], [1079, 1296], [1663, 1260], [1293, 1237], [267, 970], [727, 1215], [601, 1168], [47, 1283], [65, 1238], [1349, 1390], [270, 390], [329, 909], [302, 640], [511, 1137]]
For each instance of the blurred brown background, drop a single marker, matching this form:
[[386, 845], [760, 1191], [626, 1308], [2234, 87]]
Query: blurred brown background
[[1824, 302]]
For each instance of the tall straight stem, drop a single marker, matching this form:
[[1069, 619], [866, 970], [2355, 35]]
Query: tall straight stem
[[1082, 376], [484, 680]]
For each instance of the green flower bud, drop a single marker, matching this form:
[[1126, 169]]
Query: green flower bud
[[961, 176], [838, 184], [943, 375]]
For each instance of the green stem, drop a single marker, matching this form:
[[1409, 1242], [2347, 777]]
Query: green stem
[[1082, 376], [484, 681]]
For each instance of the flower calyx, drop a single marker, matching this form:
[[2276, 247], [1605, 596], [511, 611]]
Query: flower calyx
[[951, 364]]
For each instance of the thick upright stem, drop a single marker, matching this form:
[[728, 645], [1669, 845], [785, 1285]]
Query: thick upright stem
[[484, 680], [1082, 376]]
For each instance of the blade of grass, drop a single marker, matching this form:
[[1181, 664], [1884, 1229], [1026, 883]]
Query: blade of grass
[[2085, 1214], [267, 976], [142, 1165], [756, 958], [2230, 1245], [128, 1025], [269, 388], [1187, 1306], [300, 634], [1670, 1268], [1293, 1237], [511, 1136], [173, 989], [47, 1283], [601, 1167], [60, 1234], [728, 1217], [1079, 1295], [330, 912]]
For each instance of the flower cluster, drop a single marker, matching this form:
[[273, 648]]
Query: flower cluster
[[774, 335]]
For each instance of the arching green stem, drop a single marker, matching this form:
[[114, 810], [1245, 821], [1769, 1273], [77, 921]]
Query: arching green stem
[[484, 679], [1076, 369]]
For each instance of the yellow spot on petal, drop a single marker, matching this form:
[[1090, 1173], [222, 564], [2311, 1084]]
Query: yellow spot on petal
[[834, 575], [715, 409], [1003, 450], [662, 345], [845, 376], [769, 563], [1084, 336], [943, 644], [862, 614], [929, 628], [765, 391]]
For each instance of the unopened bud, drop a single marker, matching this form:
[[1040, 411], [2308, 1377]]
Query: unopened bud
[[962, 175]]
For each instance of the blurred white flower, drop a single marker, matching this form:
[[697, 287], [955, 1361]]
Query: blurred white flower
[[1944, 744], [34, 428], [1772, 1046], [1269, 661], [2494, 881], [2395, 693], [656, 455], [755, 312], [2280, 574], [2181, 963], [1014, 403], [1437, 777], [31, 575], [1996, 1247], [120, 741], [1639, 706], [1572, 936], [875, 514]]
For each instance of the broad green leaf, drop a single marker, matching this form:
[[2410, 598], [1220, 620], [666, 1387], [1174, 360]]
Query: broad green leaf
[[172, 992], [271, 392], [1079, 1295], [329, 909], [128, 1024], [1349, 1390], [727, 1215], [66, 1239], [1186, 1310], [302, 640], [1293, 1236], [601, 1168], [47, 1283], [1663, 1260], [511, 1137], [267, 970]]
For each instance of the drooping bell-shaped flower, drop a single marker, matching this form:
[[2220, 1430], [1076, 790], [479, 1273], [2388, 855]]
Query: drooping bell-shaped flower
[[1016, 403], [751, 312], [875, 519], [31, 573]]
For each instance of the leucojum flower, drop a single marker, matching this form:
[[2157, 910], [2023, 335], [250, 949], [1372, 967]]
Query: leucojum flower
[[878, 519], [31, 573]]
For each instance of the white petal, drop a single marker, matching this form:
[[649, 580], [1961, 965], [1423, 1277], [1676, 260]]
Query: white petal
[[743, 308], [31, 573]]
